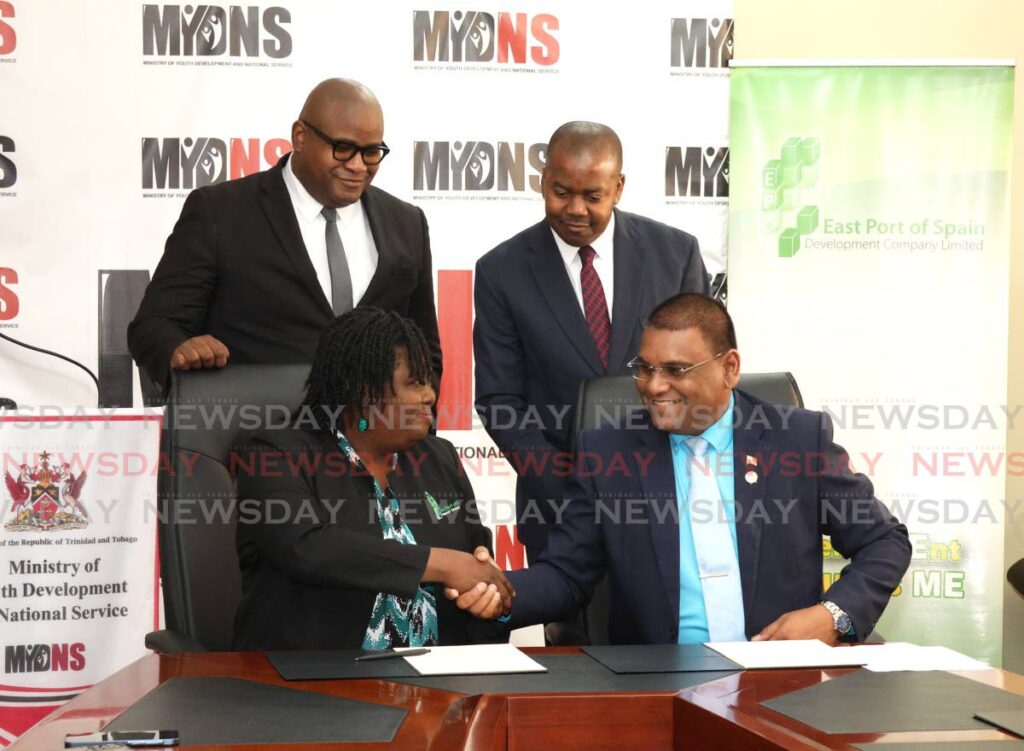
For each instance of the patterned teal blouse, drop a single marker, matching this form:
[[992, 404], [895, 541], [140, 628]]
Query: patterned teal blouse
[[395, 621]]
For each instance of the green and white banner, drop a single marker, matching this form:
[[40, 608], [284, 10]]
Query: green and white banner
[[869, 254]]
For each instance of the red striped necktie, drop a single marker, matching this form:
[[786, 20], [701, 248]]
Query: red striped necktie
[[595, 307]]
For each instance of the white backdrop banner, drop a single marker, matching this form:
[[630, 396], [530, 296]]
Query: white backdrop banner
[[78, 588], [110, 116]]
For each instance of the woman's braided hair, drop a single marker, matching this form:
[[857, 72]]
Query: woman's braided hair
[[355, 360]]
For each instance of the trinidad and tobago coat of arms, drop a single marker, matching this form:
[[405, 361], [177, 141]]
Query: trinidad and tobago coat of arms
[[45, 498]]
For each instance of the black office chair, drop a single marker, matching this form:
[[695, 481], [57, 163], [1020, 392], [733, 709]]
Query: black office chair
[[1015, 575], [207, 412], [606, 401]]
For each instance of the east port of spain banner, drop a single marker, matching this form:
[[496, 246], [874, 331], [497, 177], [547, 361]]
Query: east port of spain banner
[[869, 255]]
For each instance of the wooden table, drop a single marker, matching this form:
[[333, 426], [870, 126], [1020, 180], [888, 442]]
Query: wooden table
[[723, 713]]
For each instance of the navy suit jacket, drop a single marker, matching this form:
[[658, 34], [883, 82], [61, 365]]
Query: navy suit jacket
[[621, 518], [532, 346]]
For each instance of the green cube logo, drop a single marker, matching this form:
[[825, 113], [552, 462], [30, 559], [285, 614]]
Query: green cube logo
[[789, 243], [784, 187], [809, 150], [807, 220], [772, 174], [791, 151]]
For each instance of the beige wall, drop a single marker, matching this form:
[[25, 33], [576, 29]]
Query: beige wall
[[984, 29]]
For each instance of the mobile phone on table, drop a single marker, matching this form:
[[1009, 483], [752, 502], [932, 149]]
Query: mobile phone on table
[[130, 738]]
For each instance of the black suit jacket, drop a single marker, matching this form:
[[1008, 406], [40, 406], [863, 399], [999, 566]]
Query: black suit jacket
[[235, 267], [533, 348], [311, 550], [626, 523]]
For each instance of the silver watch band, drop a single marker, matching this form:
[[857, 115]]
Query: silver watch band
[[837, 613]]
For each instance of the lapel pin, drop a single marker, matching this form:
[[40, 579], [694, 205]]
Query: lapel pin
[[751, 461], [751, 477], [439, 510]]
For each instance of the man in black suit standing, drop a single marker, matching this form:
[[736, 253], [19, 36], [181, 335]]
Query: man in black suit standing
[[255, 268], [564, 301]]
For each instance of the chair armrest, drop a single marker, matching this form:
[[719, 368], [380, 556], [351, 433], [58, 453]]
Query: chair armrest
[[166, 641], [565, 634]]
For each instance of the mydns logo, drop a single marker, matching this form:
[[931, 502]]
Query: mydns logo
[[43, 658], [211, 30], [8, 169], [8, 36], [186, 163], [8, 297], [697, 171], [701, 42], [479, 37], [477, 165]]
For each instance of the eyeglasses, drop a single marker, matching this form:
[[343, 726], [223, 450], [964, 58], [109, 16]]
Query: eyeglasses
[[345, 150], [641, 371]]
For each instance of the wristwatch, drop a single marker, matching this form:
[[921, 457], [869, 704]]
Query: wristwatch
[[842, 621]]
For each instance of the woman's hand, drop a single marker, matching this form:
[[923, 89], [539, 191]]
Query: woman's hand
[[473, 581], [481, 601]]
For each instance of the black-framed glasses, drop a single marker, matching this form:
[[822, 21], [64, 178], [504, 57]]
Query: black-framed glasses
[[643, 371], [345, 150]]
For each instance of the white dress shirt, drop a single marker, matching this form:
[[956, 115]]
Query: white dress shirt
[[604, 263], [353, 226]]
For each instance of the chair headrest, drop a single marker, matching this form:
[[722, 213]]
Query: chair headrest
[[208, 409], [606, 401]]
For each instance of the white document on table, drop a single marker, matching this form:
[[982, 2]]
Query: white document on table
[[894, 656], [795, 653], [473, 659]]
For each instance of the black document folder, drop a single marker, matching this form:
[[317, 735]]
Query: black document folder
[[1011, 722], [866, 702], [660, 658], [220, 711], [336, 665], [943, 746]]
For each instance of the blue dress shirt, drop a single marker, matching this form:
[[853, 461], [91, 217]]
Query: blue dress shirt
[[693, 621]]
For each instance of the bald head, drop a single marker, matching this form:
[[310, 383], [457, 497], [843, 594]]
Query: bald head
[[583, 137], [337, 92], [337, 111]]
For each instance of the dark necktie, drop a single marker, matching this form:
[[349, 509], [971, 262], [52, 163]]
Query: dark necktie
[[595, 307], [341, 278]]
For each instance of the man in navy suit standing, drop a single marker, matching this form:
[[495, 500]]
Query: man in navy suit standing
[[562, 302], [710, 526]]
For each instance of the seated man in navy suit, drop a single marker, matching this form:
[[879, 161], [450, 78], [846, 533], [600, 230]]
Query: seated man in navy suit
[[708, 517]]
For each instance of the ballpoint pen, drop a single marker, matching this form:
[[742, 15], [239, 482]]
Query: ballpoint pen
[[389, 655]]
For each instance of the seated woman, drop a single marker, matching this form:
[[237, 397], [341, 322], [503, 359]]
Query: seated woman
[[356, 517]]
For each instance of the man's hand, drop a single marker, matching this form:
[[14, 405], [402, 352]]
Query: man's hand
[[461, 572], [814, 622], [198, 353], [483, 600]]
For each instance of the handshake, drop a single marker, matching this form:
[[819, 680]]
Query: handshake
[[473, 581]]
